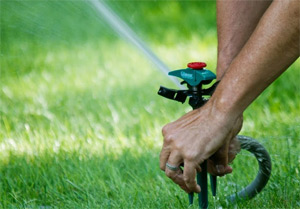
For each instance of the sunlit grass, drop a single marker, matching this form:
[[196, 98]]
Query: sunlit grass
[[81, 124]]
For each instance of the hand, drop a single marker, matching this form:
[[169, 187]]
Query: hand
[[194, 138], [217, 164]]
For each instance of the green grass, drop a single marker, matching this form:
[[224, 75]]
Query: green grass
[[81, 122]]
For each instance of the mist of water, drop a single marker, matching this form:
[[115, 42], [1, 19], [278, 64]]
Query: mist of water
[[126, 32]]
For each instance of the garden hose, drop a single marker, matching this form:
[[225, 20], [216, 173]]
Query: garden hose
[[264, 172]]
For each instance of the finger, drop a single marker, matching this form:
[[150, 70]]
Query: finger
[[198, 168], [234, 149], [163, 157], [228, 169], [221, 156], [218, 170], [219, 161], [189, 177], [177, 175], [177, 178]]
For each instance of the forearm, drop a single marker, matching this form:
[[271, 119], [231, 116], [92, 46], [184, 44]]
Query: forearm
[[196, 136], [271, 49], [236, 21]]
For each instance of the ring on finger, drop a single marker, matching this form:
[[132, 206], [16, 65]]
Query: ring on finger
[[172, 167]]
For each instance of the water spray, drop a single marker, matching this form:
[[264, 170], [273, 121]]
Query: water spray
[[127, 33], [195, 76]]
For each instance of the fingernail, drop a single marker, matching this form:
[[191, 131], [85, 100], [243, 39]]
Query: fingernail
[[228, 169], [220, 168]]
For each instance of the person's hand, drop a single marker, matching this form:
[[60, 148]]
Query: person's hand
[[217, 164], [194, 138]]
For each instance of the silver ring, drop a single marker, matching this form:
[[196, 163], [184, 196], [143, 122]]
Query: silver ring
[[172, 167]]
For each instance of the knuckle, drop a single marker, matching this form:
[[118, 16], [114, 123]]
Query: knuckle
[[168, 139], [169, 173], [166, 134], [164, 130], [187, 180], [176, 145], [167, 129], [162, 167], [190, 156]]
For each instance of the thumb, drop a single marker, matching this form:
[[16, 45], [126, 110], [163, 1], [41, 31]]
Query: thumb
[[218, 162]]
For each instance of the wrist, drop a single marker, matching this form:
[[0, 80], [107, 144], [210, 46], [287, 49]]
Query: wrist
[[223, 104]]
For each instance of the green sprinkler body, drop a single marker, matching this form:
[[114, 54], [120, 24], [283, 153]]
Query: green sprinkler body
[[195, 76]]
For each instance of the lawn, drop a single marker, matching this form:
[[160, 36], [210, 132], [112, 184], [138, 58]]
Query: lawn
[[81, 120]]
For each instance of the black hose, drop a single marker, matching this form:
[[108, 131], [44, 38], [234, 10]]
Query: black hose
[[264, 172]]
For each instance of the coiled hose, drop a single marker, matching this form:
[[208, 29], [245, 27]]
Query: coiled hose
[[264, 172]]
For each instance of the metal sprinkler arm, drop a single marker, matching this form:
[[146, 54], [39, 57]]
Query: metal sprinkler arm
[[181, 95]]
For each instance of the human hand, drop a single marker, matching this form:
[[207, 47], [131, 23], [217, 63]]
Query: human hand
[[217, 164], [194, 138]]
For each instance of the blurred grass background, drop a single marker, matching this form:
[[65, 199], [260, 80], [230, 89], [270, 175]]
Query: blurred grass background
[[81, 122]]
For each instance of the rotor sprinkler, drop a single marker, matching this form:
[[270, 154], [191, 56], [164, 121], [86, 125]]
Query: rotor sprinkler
[[195, 76]]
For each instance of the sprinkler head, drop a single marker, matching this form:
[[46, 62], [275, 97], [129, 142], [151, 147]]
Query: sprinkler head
[[195, 75]]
